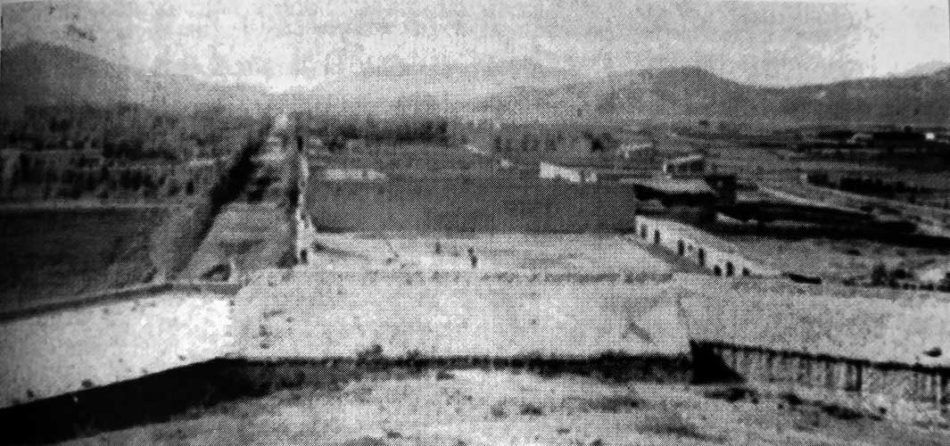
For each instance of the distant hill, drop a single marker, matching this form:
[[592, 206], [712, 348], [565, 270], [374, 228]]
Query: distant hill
[[40, 73], [691, 92], [518, 89]]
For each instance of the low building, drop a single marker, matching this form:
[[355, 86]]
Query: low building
[[350, 174], [633, 148], [685, 165], [861, 138], [573, 174], [674, 192], [704, 249]]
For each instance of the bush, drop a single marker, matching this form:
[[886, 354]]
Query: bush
[[879, 275], [670, 422]]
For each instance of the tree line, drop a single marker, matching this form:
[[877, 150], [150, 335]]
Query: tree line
[[126, 131], [515, 140]]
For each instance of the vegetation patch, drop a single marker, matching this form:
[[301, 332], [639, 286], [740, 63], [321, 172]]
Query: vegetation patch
[[670, 422]]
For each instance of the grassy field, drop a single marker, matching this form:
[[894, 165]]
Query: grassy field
[[52, 254], [478, 407]]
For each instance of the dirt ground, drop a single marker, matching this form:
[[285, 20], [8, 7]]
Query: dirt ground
[[480, 407], [494, 252]]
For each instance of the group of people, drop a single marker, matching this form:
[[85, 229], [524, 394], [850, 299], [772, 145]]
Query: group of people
[[471, 254]]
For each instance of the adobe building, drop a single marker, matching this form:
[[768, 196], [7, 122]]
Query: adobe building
[[688, 165], [571, 174], [707, 251]]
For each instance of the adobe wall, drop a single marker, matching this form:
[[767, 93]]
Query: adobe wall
[[117, 338], [818, 319], [396, 314], [879, 350], [485, 205], [903, 391], [707, 251]]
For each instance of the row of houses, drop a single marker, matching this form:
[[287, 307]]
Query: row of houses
[[687, 166], [711, 253]]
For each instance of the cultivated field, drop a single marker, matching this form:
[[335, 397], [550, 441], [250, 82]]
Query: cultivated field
[[52, 254]]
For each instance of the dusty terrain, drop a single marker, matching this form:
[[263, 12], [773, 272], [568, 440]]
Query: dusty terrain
[[478, 407], [599, 253]]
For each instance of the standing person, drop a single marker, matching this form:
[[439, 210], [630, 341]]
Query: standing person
[[472, 257]]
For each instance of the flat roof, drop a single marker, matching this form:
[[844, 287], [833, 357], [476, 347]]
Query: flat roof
[[673, 185]]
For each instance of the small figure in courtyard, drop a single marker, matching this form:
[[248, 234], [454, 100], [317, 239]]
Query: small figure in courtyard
[[438, 248], [472, 257]]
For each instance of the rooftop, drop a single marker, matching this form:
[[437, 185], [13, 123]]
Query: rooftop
[[673, 185]]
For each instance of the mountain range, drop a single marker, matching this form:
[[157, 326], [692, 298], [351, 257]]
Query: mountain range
[[40, 73], [518, 89], [692, 92]]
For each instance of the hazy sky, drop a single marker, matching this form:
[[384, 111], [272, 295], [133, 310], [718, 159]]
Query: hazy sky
[[279, 43]]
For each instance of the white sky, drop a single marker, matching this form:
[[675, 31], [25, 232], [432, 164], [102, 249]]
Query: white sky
[[279, 43]]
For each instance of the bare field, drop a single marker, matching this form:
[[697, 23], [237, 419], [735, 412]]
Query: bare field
[[51, 254], [476, 407]]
